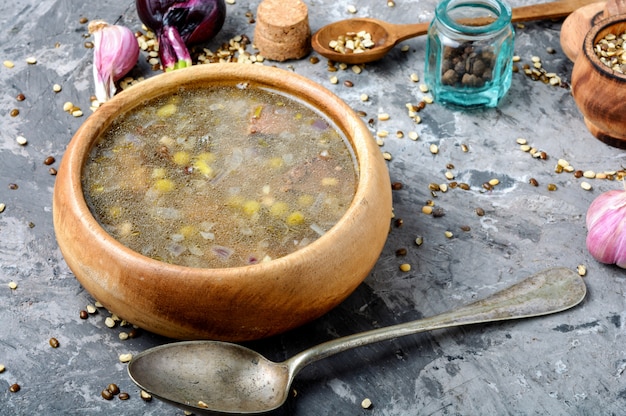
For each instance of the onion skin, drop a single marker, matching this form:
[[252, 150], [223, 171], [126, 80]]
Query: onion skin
[[181, 23], [606, 228]]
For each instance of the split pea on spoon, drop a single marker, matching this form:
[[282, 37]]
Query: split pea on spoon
[[213, 377], [386, 35]]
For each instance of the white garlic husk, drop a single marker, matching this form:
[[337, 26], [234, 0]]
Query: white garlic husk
[[115, 53], [606, 228]]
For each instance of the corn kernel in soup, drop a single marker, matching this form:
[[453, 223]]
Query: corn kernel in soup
[[220, 177]]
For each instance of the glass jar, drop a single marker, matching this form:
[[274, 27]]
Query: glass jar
[[469, 52]]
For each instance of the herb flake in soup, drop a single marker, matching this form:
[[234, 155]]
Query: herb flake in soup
[[220, 177]]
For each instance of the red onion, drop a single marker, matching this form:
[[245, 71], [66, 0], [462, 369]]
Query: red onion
[[180, 23]]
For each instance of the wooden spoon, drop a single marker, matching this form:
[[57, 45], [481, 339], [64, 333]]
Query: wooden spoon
[[387, 35]]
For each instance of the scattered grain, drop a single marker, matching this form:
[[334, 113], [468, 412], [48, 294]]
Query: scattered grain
[[56, 88], [8, 64], [366, 403], [552, 187], [582, 269], [12, 285], [145, 396], [419, 241], [434, 149], [20, 97], [2, 368], [352, 9], [14, 388], [383, 116], [54, 343], [31, 60], [387, 156], [3, 206], [413, 135], [49, 160], [494, 182], [405, 267], [448, 234], [427, 210], [334, 80], [414, 77], [21, 140], [124, 358], [109, 322], [589, 174], [14, 112], [521, 141], [364, 97], [533, 182], [479, 211], [423, 88], [586, 186]]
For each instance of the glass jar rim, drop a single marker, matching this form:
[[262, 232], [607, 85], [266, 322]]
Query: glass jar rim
[[498, 7]]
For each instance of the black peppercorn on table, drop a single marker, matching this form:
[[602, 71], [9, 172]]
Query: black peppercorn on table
[[499, 210]]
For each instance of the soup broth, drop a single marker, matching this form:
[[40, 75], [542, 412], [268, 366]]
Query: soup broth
[[220, 177]]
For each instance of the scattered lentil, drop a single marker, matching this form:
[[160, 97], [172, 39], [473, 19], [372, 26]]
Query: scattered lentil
[[521, 141], [423, 88], [2, 368], [434, 149], [56, 88], [348, 83], [479, 211], [401, 252], [464, 186], [20, 97], [414, 77], [589, 174], [124, 396], [494, 182], [31, 60], [21, 140], [552, 187], [533, 182], [13, 186], [387, 156], [83, 20], [54, 343], [12, 285], [427, 210], [83, 314], [586, 186], [413, 135], [465, 228], [106, 394], [14, 112], [3, 206], [145, 396], [49, 160], [8, 64], [419, 241], [396, 186], [366, 403], [405, 267], [364, 97], [383, 116], [124, 358], [52, 171], [352, 9], [14, 388]]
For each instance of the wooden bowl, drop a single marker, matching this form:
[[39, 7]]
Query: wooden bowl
[[599, 91], [239, 303]]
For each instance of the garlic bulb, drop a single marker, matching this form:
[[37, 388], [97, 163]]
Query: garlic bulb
[[606, 228], [115, 53]]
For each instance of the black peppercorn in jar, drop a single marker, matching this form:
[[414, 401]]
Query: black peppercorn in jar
[[469, 52]]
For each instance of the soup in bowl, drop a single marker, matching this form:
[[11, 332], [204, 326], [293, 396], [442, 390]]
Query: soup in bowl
[[222, 201]]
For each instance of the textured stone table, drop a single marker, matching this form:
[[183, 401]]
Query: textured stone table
[[565, 364]]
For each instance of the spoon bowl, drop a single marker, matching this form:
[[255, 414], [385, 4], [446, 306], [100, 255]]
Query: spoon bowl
[[214, 377], [386, 35]]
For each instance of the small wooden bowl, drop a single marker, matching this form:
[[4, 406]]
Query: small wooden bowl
[[239, 303], [599, 91]]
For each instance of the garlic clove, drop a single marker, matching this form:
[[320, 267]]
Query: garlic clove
[[606, 228], [115, 53]]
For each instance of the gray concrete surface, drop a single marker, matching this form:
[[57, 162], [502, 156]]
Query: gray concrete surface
[[567, 364]]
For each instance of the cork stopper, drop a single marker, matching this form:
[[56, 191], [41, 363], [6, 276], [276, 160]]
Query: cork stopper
[[282, 29]]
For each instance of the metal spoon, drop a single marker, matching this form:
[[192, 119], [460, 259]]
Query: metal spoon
[[219, 377], [387, 35]]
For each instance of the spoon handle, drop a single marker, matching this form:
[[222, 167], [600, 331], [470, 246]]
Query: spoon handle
[[551, 10], [549, 291], [541, 11]]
